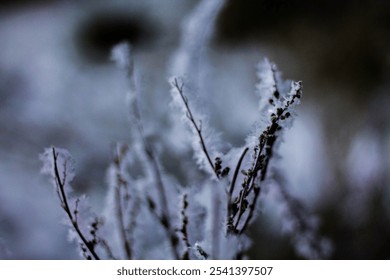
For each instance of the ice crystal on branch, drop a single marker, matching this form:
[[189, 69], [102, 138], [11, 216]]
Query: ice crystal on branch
[[58, 164], [205, 139]]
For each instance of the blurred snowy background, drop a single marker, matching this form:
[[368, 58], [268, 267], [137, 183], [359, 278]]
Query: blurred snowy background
[[58, 87]]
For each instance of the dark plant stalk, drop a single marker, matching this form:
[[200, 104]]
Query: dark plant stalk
[[64, 203], [121, 183], [122, 232], [195, 125], [108, 250], [251, 210], [264, 153], [165, 216], [152, 160], [184, 228], [230, 215], [236, 171]]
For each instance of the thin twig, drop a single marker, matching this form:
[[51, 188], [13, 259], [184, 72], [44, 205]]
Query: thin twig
[[194, 124], [122, 232], [230, 215], [264, 153], [184, 229], [64, 201], [107, 248], [164, 218], [251, 210], [164, 221], [121, 183], [236, 171]]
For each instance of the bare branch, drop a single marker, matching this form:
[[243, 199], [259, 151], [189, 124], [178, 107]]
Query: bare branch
[[198, 128], [64, 201], [184, 228]]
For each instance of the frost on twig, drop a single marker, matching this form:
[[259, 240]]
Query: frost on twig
[[58, 164], [213, 225], [124, 199], [184, 228], [123, 58], [201, 148], [276, 111]]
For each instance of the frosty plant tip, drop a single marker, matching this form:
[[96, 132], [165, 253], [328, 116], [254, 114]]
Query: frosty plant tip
[[149, 214]]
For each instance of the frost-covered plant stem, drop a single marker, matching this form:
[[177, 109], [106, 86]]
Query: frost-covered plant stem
[[264, 151], [184, 228], [164, 216], [121, 186], [60, 184], [196, 127], [122, 55], [230, 226]]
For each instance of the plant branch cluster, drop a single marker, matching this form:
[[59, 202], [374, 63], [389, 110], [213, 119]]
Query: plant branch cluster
[[207, 219], [262, 153], [243, 187]]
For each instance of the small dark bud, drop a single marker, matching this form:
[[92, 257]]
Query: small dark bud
[[244, 204], [151, 203], [273, 128], [164, 221], [225, 171], [202, 252], [175, 240], [234, 209], [218, 166], [271, 140]]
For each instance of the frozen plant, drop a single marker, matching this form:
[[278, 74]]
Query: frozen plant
[[148, 213]]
